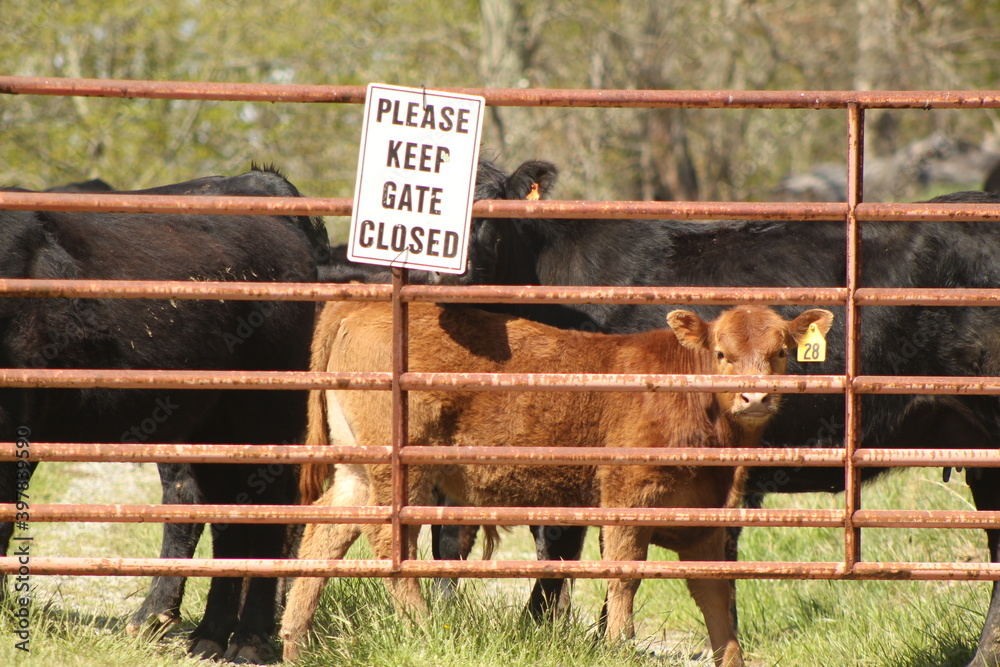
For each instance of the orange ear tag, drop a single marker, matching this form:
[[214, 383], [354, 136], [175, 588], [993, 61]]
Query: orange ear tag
[[812, 347], [533, 194]]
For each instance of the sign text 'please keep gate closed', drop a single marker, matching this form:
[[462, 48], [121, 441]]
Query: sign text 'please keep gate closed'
[[416, 178]]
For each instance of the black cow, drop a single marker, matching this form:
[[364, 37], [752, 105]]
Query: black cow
[[164, 334], [935, 341], [94, 185]]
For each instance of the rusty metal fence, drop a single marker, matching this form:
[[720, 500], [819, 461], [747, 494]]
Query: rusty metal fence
[[852, 518]]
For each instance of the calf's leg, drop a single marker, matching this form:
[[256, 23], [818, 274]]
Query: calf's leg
[[323, 541], [623, 543], [713, 597]]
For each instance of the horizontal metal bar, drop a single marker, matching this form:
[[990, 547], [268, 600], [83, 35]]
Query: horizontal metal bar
[[917, 211], [503, 516], [543, 97], [826, 384], [298, 380], [929, 458], [926, 519], [426, 455], [125, 513], [178, 289], [193, 453], [869, 296], [504, 208], [423, 515], [187, 289], [621, 294], [804, 457], [203, 567], [115, 202], [255, 291], [637, 211], [919, 384], [60, 378], [658, 210]]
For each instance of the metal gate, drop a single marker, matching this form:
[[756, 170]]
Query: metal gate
[[851, 518]]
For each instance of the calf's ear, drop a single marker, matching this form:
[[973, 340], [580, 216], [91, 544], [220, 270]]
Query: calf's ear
[[798, 327], [532, 180], [691, 330]]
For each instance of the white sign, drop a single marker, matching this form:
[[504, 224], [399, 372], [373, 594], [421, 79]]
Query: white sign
[[416, 178]]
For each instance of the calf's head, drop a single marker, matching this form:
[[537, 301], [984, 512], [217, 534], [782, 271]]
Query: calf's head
[[747, 340]]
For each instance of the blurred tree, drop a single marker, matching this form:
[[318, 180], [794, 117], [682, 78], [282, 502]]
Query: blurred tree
[[603, 153]]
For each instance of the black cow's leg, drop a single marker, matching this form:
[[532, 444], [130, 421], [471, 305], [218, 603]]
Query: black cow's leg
[[985, 485], [162, 607], [211, 638], [450, 543], [226, 630], [549, 596]]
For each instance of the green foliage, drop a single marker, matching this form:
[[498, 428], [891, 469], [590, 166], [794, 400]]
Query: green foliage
[[604, 153], [80, 620]]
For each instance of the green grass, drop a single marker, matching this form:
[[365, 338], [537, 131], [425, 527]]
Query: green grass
[[80, 620]]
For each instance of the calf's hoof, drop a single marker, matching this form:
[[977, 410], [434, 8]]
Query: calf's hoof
[[291, 651], [206, 649], [155, 627]]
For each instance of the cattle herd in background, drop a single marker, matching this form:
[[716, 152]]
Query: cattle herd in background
[[239, 622]]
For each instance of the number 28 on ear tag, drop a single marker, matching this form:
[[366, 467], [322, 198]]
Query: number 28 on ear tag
[[812, 347]]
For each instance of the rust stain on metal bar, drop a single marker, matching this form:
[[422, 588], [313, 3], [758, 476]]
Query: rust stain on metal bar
[[179, 289], [120, 513], [870, 296], [926, 211], [650, 210], [200, 204], [553, 97], [624, 455], [168, 379], [919, 384], [827, 384], [201, 567], [926, 571], [196, 453], [637, 211], [214, 453], [926, 519], [298, 380], [425, 455], [931, 458], [420, 515], [152, 289], [594, 516], [419, 568], [620, 294], [503, 516]]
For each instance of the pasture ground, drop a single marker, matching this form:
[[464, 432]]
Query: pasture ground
[[79, 621]]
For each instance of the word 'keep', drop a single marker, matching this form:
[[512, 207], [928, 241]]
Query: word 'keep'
[[417, 157]]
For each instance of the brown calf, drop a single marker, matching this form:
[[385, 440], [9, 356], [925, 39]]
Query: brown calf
[[747, 340]]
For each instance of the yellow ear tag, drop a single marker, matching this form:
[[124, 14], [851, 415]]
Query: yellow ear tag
[[812, 347], [534, 194]]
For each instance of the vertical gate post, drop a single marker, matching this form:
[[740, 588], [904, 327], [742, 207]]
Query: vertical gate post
[[852, 404], [400, 416]]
